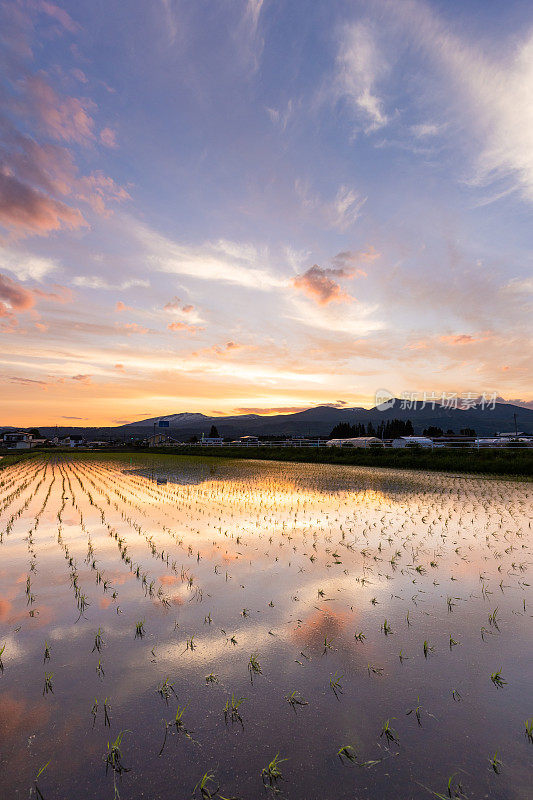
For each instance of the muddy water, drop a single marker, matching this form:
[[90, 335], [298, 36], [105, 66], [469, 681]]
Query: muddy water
[[332, 577]]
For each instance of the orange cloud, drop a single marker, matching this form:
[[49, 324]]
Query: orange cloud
[[321, 283], [183, 326], [224, 349], [318, 284], [132, 327]]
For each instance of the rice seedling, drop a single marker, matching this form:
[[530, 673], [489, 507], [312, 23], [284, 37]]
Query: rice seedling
[[254, 667], [295, 699], [457, 696], [529, 729], [373, 670], [166, 690], [140, 629], [493, 619], [35, 786], [231, 709], [47, 655], [211, 678], [107, 708], [113, 760], [175, 725], [100, 670], [2, 649], [402, 656], [496, 763], [94, 710], [48, 686], [271, 774], [359, 637], [203, 786], [335, 684], [428, 649], [497, 679], [386, 628], [346, 752], [98, 641], [389, 733]]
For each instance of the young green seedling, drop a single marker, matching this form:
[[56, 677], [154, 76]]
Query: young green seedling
[[496, 678], [272, 773], [347, 752]]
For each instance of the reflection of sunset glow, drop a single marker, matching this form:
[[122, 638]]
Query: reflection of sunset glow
[[219, 560]]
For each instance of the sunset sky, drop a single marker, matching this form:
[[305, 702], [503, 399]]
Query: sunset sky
[[236, 205]]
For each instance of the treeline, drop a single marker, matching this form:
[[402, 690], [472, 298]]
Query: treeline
[[385, 430]]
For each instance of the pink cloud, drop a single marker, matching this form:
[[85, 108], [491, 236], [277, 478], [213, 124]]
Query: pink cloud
[[108, 137], [79, 74], [98, 189], [465, 338], [174, 305], [62, 294], [64, 118], [85, 379], [28, 210], [120, 306], [57, 13], [18, 297]]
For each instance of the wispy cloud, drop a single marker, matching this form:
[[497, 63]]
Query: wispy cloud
[[360, 67], [224, 261], [340, 213]]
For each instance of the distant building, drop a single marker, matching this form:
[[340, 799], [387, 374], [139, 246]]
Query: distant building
[[212, 440], [355, 441], [412, 441], [248, 440], [18, 440], [72, 441]]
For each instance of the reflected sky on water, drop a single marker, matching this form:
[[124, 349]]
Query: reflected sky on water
[[325, 573]]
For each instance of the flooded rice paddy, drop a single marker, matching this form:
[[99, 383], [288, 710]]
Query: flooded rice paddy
[[174, 627]]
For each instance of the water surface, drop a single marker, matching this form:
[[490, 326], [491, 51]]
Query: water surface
[[323, 573]]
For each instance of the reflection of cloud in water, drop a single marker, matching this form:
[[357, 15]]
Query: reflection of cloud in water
[[223, 538]]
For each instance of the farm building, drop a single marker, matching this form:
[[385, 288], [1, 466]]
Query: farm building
[[18, 440], [412, 441], [356, 441]]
